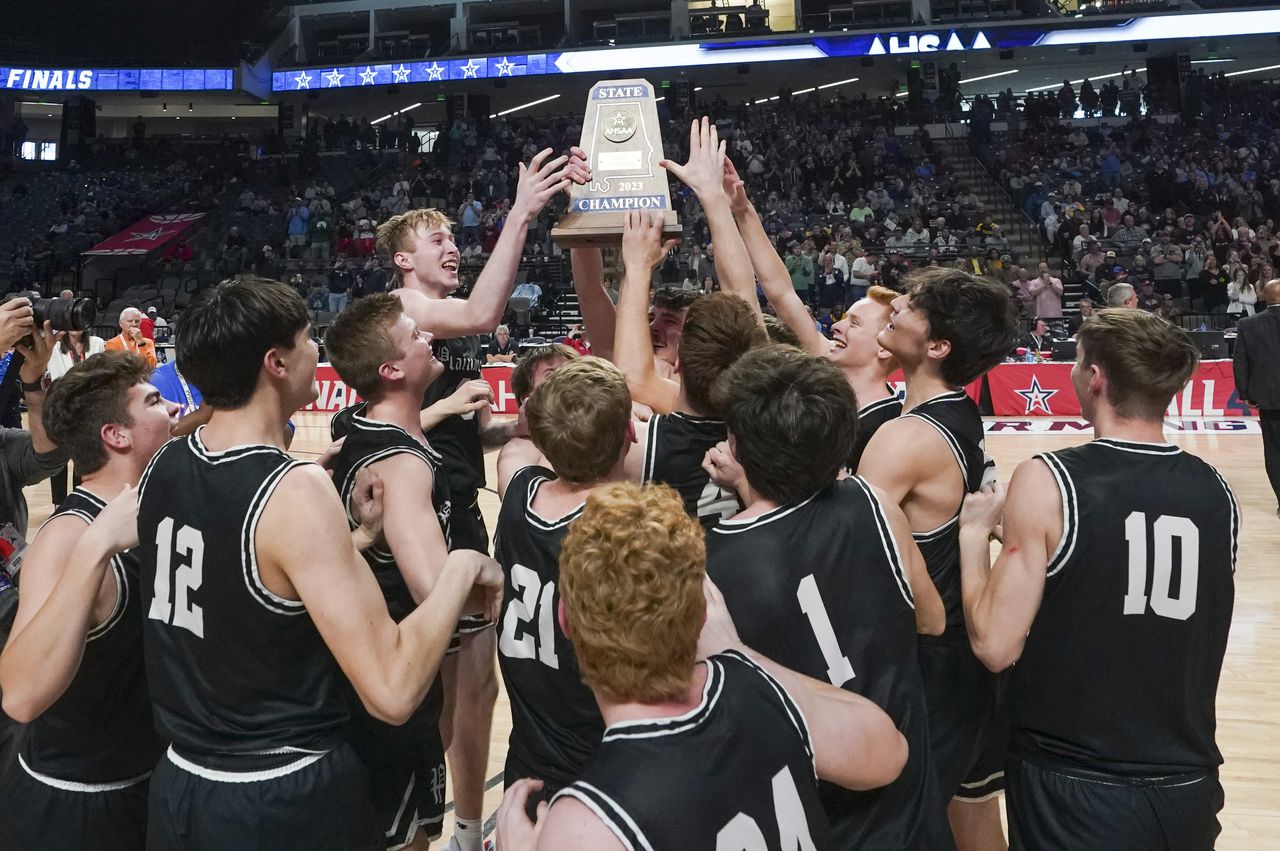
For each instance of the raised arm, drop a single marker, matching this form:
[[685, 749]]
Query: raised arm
[[65, 593], [598, 312], [303, 543], [481, 312], [771, 269], [642, 251], [409, 525], [704, 174], [1001, 602]]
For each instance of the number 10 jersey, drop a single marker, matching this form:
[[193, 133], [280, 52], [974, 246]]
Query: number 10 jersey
[[1120, 669], [235, 671]]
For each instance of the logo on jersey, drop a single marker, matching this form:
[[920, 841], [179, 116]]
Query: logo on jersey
[[1037, 396]]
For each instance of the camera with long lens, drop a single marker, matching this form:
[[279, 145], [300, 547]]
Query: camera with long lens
[[64, 314]]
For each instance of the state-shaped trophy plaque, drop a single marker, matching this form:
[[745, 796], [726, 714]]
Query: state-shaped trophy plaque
[[623, 143]]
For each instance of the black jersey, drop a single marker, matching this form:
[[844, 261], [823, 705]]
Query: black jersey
[[821, 588], [870, 418], [368, 442], [555, 722], [456, 438], [735, 772], [234, 669], [100, 730], [675, 445], [957, 420], [1120, 669]]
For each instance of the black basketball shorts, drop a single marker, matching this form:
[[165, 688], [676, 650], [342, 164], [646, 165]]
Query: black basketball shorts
[[467, 532], [1068, 809], [962, 699], [40, 812], [320, 802]]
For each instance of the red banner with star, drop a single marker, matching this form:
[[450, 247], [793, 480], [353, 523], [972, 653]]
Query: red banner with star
[[1044, 390], [147, 235]]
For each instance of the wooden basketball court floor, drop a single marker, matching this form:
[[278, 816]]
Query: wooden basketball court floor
[[1249, 694]]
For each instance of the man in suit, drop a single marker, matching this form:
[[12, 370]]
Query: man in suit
[[1257, 370]]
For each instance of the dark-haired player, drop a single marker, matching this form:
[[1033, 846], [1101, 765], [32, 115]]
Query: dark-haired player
[[718, 329], [721, 753], [579, 421], [72, 669], [380, 353], [256, 601], [1113, 595], [822, 576], [948, 329]]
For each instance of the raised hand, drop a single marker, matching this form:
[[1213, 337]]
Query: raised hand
[[17, 319], [578, 170], [984, 509], [116, 526], [539, 181], [642, 243], [471, 396], [723, 468], [704, 172], [735, 190]]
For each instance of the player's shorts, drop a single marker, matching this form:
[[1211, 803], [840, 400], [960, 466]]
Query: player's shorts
[[962, 701], [985, 779], [1070, 809], [406, 769], [315, 801], [467, 532], [515, 769], [41, 812]]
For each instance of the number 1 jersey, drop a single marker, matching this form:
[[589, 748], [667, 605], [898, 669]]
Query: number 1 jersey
[[1120, 668]]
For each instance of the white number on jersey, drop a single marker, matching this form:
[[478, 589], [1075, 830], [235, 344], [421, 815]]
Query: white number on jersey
[[1165, 530], [743, 834], [839, 670], [715, 501], [177, 609], [532, 597]]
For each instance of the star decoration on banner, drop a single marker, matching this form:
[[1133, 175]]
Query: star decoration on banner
[[402, 74], [1037, 396], [367, 76], [333, 78], [303, 80], [505, 67], [435, 71], [470, 69], [146, 236]]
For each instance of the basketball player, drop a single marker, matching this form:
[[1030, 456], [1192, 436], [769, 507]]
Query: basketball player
[[1113, 594], [72, 669], [383, 356], [719, 328], [580, 421], [865, 363], [421, 247], [256, 598], [717, 754], [948, 329], [534, 368], [823, 577]]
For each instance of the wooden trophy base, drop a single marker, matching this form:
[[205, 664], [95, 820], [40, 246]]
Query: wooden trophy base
[[603, 230]]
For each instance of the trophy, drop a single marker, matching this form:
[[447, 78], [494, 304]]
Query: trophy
[[623, 142]]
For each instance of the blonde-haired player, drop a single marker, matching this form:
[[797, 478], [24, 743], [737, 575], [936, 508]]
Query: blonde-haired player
[[421, 247]]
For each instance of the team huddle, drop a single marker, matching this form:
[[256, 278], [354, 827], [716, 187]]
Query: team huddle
[[741, 594]]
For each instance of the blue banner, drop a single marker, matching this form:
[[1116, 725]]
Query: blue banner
[[117, 79]]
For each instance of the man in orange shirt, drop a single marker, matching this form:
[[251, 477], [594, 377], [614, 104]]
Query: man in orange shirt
[[130, 338]]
